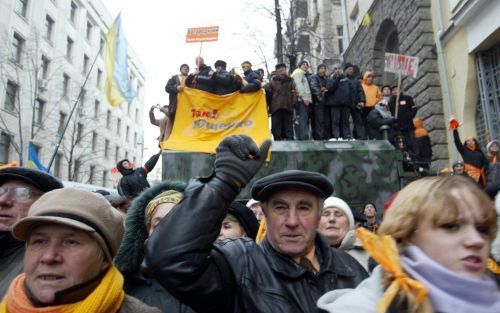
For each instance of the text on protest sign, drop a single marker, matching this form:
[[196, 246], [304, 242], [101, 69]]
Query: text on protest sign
[[405, 64], [202, 34]]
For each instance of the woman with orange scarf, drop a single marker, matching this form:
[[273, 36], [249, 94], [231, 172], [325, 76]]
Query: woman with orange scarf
[[71, 238], [476, 163], [432, 248]]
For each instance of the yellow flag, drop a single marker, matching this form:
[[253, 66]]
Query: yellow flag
[[203, 119], [367, 20]]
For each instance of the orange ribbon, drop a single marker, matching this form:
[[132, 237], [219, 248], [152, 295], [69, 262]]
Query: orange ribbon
[[261, 233], [384, 250], [493, 266], [475, 172]]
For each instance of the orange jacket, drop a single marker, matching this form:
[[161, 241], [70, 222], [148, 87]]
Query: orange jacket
[[372, 92]]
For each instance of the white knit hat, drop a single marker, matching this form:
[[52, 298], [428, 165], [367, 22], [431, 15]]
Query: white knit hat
[[334, 202], [251, 202]]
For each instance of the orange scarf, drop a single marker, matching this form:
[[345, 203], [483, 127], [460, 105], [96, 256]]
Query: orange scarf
[[475, 172], [107, 297]]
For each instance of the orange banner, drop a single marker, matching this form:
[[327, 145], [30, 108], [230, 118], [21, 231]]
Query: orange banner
[[203, 119], [202, 34]]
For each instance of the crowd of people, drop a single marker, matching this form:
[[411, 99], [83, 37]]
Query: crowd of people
[[191, 247], [305, 106]]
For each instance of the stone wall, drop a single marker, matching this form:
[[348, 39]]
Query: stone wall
[[412, 22]]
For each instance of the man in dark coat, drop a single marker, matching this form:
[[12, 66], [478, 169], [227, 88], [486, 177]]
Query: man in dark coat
[[321, 129], [281, 88], [287, 272], [358, 102], [225, 83], [175, 85], [202, 78], [19, 188], [340, 97], [134, 181], [404, 120]]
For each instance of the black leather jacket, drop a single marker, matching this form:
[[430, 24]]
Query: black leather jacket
[[237, 275]]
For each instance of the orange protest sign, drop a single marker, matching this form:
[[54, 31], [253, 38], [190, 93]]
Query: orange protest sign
[[202, 34]]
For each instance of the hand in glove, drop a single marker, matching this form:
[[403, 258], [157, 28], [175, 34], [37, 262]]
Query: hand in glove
[[238, 158]]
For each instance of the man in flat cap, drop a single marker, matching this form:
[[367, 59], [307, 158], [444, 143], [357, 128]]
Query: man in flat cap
[[287, 272], [19, 188]]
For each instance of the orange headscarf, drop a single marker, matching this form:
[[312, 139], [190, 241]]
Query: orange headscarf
[[420, 130]]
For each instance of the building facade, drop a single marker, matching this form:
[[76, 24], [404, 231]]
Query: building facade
[[458, 45], [314, 32], [53, 56]]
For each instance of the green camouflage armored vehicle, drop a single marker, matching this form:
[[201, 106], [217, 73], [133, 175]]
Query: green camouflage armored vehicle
[[361, 171]]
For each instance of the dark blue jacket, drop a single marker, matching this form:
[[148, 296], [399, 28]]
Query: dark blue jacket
[[340, 92], [253, 79]]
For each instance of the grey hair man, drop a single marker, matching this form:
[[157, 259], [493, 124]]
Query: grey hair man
[[239, 275]]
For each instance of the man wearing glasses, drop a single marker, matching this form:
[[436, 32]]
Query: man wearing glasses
[[19, 188]]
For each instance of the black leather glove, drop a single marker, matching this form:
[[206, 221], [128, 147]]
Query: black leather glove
[[238, 158]]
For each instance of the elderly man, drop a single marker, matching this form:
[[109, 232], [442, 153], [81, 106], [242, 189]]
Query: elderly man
[[71, 238], [287, 272], [19, 188]]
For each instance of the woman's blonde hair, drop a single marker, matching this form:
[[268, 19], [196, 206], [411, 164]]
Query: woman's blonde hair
[[429, 197], [432, 197]]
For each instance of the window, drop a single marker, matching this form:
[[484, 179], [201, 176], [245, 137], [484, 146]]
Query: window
[[39, 107], [134, 159], [135, 138], [45, 67], [49, 27], [11, 96], [57, 165], [340, 38], [4, 147], [85, 64], [127, 135], [72, 12], [90, 27], [301, 9], [99, 79], [102, 43], [22, 7], [97, 104], [79, 132], [118, 125], [69, 48], [83, 96], [126, 155], [16, 49], [108, 119], [94, 141], [104, 177], [137, 115], [117, 153], [66, 83], [106, 148], [62, 122], [92, 174]]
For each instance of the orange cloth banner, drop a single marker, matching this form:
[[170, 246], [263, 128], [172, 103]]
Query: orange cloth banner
[[202, 34], [203, 119]]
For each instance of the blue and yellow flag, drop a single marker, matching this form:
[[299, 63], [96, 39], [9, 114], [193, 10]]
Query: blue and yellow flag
[[118, 87], [33, 160], [203, 119]]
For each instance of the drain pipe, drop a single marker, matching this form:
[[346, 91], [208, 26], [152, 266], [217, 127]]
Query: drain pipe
[[443, 72]]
